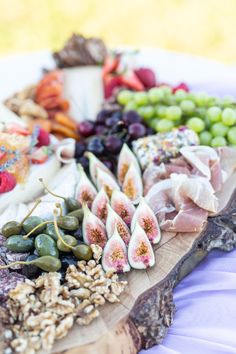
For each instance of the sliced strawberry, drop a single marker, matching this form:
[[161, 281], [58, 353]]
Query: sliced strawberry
[[111, 64], [7, 182], [146, 76], [131, 80]]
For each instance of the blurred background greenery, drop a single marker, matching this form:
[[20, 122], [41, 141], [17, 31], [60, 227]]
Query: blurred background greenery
[[202, 27]]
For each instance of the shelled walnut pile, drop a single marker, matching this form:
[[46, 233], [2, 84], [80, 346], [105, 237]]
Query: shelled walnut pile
[[44, 310]]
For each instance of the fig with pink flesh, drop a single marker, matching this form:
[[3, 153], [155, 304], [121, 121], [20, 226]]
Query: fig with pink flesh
[[104, 180], [94, 231], [147, 220], [122, 206], [140, 252], [85, 190], [115, 221], [99, 206], [94, 164], [115, 257], [126, 158], [133, 185]]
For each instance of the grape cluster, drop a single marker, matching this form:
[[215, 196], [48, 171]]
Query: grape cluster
[[106, 135], [212, 118]]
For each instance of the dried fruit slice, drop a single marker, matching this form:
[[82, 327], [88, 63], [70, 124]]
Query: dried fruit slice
[[85, 190], [140, 252], [126, 158], [113, 221], [133, 185], [99, 206], [94, 164], [94, 231], [147, 220], [122, 206], [115, 257], [104, 180]]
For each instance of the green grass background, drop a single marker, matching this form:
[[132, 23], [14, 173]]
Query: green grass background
[[202, 27]]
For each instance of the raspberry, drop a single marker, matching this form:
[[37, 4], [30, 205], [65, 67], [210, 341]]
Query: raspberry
[[7, 182], [43, 138]]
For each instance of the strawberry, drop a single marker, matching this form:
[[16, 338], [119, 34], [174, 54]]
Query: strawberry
[[43, 138], [146, 76], [181, 86], [110, 65], [39, 155], [130, 80], [7, 182], [110, 84]]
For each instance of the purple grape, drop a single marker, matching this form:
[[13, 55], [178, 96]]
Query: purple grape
[[137, 130], [109, 164], [80, 148], [84, 161], [102, 115], [86, 128], [149, 131], [131, 117], [111, 122], [96, 146], [100, 129], [113, 144]]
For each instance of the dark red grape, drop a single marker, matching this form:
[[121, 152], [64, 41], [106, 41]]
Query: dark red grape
[[102, 115], [80, 148], [84, 161], [113, 144], [149, 131], [131, 117], [109, 164], [96, 146], [86, 128], [136, 130], [110, 122], [100, 129]]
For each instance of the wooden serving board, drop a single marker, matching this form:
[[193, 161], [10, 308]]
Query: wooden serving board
[[146, 309]]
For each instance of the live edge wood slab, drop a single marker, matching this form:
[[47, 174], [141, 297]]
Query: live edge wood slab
[[146, 309]]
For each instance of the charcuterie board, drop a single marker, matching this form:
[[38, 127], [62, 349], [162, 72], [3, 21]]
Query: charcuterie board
[[146, 309]]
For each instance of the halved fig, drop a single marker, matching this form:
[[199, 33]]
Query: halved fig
[[85, 190], [122, 206], [133, 185], [147, 220], [94, 231], [99, 206], [94, 164], [104, 180], [115, 257], [115, 221], [126, 158], [140, 252]]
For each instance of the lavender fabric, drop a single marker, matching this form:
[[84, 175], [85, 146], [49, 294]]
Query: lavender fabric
[[205, 319]]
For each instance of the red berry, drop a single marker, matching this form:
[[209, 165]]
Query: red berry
[[7, 182], [147, 77], [110, 84], [43, 138], [181, 86]]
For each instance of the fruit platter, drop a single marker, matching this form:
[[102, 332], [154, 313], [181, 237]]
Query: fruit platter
[[114, 185]]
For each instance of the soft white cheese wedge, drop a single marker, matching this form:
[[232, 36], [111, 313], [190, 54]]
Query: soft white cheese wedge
[[83, 87]]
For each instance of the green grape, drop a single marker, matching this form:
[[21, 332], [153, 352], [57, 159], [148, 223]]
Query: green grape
[[190, 96], [180, 95], [164, 125], [231, 135], [201, 99], [214, 114], [187, 107], [219, 129], [218, 141], [228, 100], [196, 124], [156, 94], [153, 123], [201, 112], [141, 111], [173, 113], [148, 112], [166, 89], [141, 98], [205, 138], [207, 122], [161, 111], [130, 106], [229, 116], [124, 97]]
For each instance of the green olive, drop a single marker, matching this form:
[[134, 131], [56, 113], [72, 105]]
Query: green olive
[[83, 252], [31, 222], [70, 240], [50, 230], [11, 228], [46, 246], [78, 213], [70, 223], [72, 204], [47, 263], [16, 243]]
